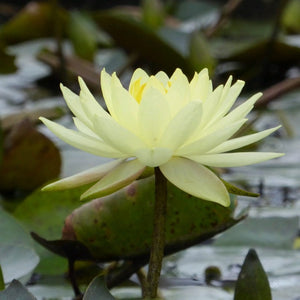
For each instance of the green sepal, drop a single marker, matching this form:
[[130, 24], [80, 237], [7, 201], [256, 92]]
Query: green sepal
[[232, 189]]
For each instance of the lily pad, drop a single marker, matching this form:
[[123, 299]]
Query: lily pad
[[17, 261], [29, 159], [16, 291], [36, 214], [119, 226], [135, 37], [35, 20], [97, 290]]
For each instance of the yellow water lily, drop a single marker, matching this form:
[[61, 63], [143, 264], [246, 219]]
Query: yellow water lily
[[179, 126]]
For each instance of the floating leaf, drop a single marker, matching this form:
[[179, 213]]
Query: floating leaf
[[97, 290], [83, 34], [16, 291], [29, 159], [136, 37], [35, 213], [2, 284], [17, 261], [12, 232], [35, 20], [200, 54], [291, 16], [7, 62], [120, 225], [152, 13], [252, 283]]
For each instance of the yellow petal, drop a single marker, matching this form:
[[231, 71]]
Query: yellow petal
[[82, 178], [201, 86], [106, 87], [74, 105], [119, 177], [162, 77], [85, 129], [125, 106], [138, 74], [243, 141], [209, 141], [237, 114], [195, 180], [117, 136], [236, 159], [153, 157], [181, 126], [179, 93], [153, 116], [227, 101], [89, 104], [81, 141]]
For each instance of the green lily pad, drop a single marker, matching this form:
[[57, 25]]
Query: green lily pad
[[119, 226], [17, 261], [135, 37], [97, 290], [36, 214], [35, 20], [7, 62], [29, 159], [83, 34], [16, 291]]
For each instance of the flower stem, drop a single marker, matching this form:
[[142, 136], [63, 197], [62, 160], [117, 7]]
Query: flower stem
[[158, 238]]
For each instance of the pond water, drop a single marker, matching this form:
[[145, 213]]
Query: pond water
[[278, 180]]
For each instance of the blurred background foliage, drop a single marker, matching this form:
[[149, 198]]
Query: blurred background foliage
[[43, 43]]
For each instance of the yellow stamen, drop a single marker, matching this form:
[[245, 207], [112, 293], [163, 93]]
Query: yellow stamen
[[137, 89]]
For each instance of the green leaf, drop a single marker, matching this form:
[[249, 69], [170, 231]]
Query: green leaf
[[83, 34], [152, 13], [1, 144], [120, 225], [36, 214], [291, 16], [42, 161], [200, 53], [17, 256], [2, 284], [35, 20], [12, 232], [7, 62], [17, 261], [16, 291], [97, 290], [135, 37], [232, 189], [252, 283]]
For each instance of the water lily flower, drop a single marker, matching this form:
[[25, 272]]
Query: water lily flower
[[179, 126]]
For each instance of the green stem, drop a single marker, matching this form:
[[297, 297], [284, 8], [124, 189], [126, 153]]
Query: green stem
[[158, 238]]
